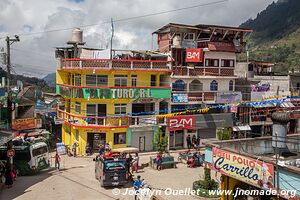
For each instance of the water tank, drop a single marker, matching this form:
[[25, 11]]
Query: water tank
[[279, 132], [177, 41], [77, 35]]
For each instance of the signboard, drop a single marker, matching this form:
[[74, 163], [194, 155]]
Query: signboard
[[180, 98], [11, 153], [23, 124], [248, 170], [181, 122], [147, 121], [234, 109], [228, 97], [194, 55], [61, 148]]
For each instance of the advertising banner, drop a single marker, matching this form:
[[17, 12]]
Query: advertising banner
[[228, 97], [23, 124], [181, 122], [180, 98], [194, 55], [248, 170]]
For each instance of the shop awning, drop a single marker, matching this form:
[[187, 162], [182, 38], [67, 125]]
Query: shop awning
[[241, 128]]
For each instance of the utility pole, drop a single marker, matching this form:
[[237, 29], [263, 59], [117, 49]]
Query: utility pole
[[111, 39], [9, 42], [277, 169]]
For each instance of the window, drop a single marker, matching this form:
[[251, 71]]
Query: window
[[231, 85], [227, 63], [153, 80], [91, 110], [120, 109], [77, 107], [133, 80], [196, 85], [298, 85], [189, 36], [211, 62], [250, 67], [214, 86], [120, 138], [179, 85], [77, 79], [39, 151], [96, 80], [120, 80]]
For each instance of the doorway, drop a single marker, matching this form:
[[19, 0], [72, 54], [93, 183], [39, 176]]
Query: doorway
[[176, 139], [94, 139], [101, 110], [142, 143]]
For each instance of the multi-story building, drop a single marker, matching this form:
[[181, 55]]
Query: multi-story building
[[111, 100], [257, 82], [203, 63]]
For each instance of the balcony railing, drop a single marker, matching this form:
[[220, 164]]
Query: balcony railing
[[115, 64], [203, 71], [109, 122]]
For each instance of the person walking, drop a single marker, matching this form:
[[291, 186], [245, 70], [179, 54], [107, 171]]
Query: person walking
[[188, 141], [194, 142], [57, 161], [88, 150]]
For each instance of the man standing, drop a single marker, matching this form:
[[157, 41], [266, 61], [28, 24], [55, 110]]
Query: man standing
[[189, 142]]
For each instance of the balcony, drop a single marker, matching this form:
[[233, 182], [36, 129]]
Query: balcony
[[203, 71], [114, 64], [109, 122], [90, 92]]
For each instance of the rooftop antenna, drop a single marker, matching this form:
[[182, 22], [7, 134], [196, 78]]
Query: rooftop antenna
[[112, 36]]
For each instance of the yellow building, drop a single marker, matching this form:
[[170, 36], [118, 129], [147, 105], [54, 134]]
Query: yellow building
[[105, 97]]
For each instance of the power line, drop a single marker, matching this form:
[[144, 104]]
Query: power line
[[126, 19]]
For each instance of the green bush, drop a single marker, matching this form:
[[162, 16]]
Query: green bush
[[224, 133]]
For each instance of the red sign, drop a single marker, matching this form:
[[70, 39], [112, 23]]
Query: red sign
[[181, 122], [11, 153], [194, 55], [23, 124]]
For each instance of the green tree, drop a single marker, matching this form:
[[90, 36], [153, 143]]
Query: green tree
[[160, 141]]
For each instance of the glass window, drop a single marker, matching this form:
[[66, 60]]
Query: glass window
[[189, 36], [133, 80], [77, 107], [39, 151], [120, 138], [231, 85], [96, 80], [214, 86], [77, 80], [120, 109], [120, 80], [91, 109], [179, 85]]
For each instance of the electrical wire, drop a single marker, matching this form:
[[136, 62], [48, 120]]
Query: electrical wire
[[127, 19]]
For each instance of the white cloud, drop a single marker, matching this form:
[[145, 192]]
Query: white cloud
[[36, 52]]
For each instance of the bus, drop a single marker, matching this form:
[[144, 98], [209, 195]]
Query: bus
[[29, 158]]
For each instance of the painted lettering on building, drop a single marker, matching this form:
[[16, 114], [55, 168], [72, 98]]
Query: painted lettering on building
[[254, 172], [181, 122], [130, 93], [194, 55]]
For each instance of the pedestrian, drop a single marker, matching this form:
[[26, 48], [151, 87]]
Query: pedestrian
[[74, 149], [188, 141], [57, 161], [158, 161], [107, 147], [101, 149], [136, 162], [194, 141], [198, 141], [88, 150], [137, 184], [9, 176]]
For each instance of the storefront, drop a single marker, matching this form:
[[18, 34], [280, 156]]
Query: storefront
[[141, 137], [202, 125]]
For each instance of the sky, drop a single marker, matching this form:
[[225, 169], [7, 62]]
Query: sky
[[43, 25]]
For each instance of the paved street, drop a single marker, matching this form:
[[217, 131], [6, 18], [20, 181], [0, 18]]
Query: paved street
[[76, 181]]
